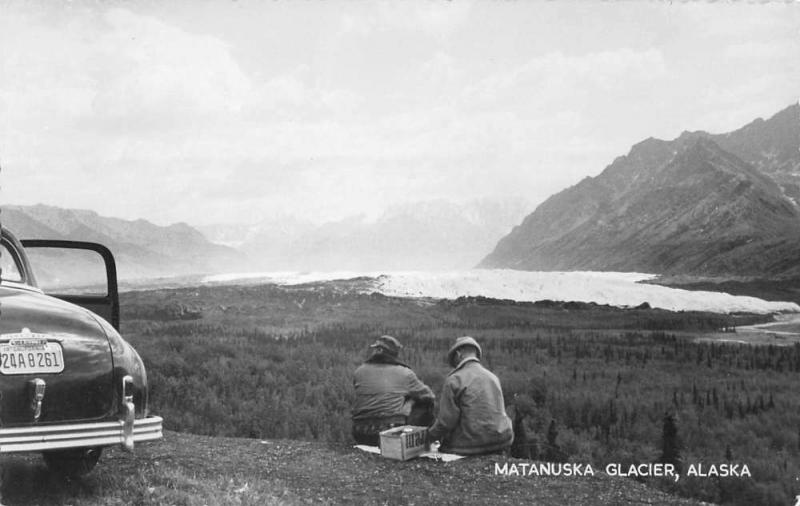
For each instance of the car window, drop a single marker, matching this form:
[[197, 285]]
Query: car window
[[9, 268], [66, 271]]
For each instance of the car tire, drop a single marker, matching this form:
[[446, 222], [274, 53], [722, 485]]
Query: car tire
[[72, 463]]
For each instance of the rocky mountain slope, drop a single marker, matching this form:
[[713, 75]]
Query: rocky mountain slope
[[141, 248], [701, 204]]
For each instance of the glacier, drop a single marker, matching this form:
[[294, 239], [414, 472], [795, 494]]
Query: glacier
[[622, 289]]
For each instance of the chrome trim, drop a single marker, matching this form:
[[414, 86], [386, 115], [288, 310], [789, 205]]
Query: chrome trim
[[37, 387], [57, 437], [21, 286], [128, 413], [59, 337]]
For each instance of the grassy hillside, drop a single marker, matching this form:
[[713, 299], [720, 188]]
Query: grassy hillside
[[190, 470]]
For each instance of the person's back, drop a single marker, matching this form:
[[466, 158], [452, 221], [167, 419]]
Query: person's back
[[386, 393], [472, 417], [382, 389], [483, 425]]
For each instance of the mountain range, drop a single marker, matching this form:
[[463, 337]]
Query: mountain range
[[141, 249], [700, 204], [426, 235], [419, 236]]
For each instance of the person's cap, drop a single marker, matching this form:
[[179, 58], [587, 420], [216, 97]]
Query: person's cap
[[389, 344], [461, 342]]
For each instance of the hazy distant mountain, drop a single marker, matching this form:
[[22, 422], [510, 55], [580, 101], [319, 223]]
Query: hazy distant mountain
[[141, 248], [699, 204], [259, 236], [419, 236]]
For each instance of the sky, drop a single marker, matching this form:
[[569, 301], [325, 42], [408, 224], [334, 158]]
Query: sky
[[240, 111]]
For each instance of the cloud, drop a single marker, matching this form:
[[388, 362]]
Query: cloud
[[556, 74], [118, 67], [437, 19], [440, 18], [170, 109], [741, 20], [148, 71], [289, 96], [759, 50]]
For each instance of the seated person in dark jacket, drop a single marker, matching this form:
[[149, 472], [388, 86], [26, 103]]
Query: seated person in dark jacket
[[472, 416], [388, 394]]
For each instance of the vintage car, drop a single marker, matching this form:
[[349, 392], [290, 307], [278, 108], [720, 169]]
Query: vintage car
[[69, 384]]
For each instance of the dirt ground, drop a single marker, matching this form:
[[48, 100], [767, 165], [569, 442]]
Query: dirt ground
[[195, 470]]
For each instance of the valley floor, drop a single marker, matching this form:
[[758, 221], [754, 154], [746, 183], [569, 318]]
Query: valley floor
[[784, 331]]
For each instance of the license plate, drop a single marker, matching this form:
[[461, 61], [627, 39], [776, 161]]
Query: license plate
[[31, 356]]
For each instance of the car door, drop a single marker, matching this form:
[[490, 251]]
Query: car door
[[105, 304]]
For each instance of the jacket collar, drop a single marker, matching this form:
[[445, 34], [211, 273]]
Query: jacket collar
[[465, 362], [384, 359]]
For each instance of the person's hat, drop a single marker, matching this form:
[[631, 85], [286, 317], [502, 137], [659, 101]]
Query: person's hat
[[461, 342], [389, 344]]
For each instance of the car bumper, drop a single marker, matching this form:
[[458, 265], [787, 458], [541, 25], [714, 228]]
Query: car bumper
[[58, 437]]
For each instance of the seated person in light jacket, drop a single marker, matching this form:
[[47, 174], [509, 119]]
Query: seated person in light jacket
[[388, 394], [472, 417]]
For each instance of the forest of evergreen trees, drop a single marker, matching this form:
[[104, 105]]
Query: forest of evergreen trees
[[581, 394]]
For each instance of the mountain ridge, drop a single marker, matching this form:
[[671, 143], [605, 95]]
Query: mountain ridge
[[686, 206], [141, 248]]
